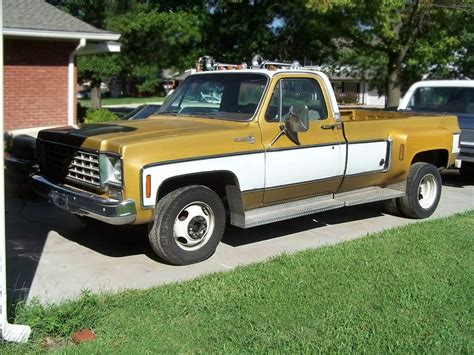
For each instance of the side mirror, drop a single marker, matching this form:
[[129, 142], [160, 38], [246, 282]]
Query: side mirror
[[298, 120]]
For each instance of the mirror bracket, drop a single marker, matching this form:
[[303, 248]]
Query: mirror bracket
[[296, 122], [292, 136], [282, 132]]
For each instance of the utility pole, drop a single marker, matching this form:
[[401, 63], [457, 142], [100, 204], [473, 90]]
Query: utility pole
[[10, 332]]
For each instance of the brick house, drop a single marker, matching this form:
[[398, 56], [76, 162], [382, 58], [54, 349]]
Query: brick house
[[40, 75], [351, 86]]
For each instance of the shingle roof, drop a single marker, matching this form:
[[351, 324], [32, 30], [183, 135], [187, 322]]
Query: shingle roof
[[39, 15]]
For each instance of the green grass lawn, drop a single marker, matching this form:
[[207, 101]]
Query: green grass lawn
[[405, 290], [125, 100]]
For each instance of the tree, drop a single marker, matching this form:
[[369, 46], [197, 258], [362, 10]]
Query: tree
[[156, 35], [95, 12], [397, 39], [391, 42], [97, 69], [302, 36], [152, 41], [235, 31]]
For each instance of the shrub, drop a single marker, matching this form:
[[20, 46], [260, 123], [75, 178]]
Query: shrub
[[99, 115], [61, 321], [81, 112]]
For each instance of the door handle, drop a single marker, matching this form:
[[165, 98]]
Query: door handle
[[328, 126]]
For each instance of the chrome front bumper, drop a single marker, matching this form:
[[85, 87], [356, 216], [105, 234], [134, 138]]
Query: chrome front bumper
[[84, 203], [18, 168]]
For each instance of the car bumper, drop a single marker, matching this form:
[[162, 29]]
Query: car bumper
[[85, 204], [20, 168], [463, 157]]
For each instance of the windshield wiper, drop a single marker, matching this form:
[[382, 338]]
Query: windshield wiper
[[200, 114], [167, 113]]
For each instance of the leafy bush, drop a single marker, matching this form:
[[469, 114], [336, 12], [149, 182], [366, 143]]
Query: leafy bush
[[99, 115]]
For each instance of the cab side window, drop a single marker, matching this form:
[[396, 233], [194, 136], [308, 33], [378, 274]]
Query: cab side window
[[289, 93]]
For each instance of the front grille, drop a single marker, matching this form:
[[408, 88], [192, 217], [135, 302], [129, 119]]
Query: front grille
[[68, 163], [85, 168]]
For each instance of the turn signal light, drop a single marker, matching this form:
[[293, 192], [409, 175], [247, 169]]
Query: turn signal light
[[148, 186], [401, 153]]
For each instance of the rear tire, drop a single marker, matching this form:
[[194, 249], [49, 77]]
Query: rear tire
[[188, 225], [423, 191]]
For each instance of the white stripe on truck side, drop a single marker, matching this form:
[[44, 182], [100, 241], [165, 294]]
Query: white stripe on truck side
[[293, 166], [366, 157], [248, 168], [284, 167]]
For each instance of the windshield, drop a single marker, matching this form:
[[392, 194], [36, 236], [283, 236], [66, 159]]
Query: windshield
[[443, 99], [229, 96]]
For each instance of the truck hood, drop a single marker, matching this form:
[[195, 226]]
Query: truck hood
[[112, 136]]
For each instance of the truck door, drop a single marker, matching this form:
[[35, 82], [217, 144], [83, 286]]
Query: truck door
[[316, 166]]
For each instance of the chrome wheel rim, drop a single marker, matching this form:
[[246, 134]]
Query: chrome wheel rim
[[427, 191], [193, 226]]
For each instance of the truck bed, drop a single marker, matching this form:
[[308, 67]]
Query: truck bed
[[376, 114], [409, 132]]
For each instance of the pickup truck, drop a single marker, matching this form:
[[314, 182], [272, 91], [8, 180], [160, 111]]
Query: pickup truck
[[455, 97], [245, 146]]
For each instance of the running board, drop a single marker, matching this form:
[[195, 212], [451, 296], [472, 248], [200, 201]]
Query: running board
[[288, 210], [367, 195]]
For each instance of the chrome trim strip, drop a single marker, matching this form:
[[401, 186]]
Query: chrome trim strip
[[301, 183], [85, 204], [184, 160], [367, 141], [272, 150], [260, 103], [327, 84], [280, 103], [462, 157], [276, 150], [388, 159]]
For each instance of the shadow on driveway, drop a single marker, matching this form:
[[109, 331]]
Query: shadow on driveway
[[236, 237], [453, 178], [31, 220]]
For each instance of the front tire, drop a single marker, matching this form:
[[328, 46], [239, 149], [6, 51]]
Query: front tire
[[188, 225], [423, 191]]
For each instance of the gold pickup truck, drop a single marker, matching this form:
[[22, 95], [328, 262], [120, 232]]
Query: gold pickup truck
[[245, 147]]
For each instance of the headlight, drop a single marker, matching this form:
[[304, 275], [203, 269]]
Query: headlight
[[118, 170], [110, 168]]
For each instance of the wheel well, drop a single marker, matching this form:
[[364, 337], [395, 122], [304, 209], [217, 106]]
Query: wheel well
[[216, 181], [438, 158]]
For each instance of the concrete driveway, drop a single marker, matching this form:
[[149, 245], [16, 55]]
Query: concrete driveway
[[52, 256]]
